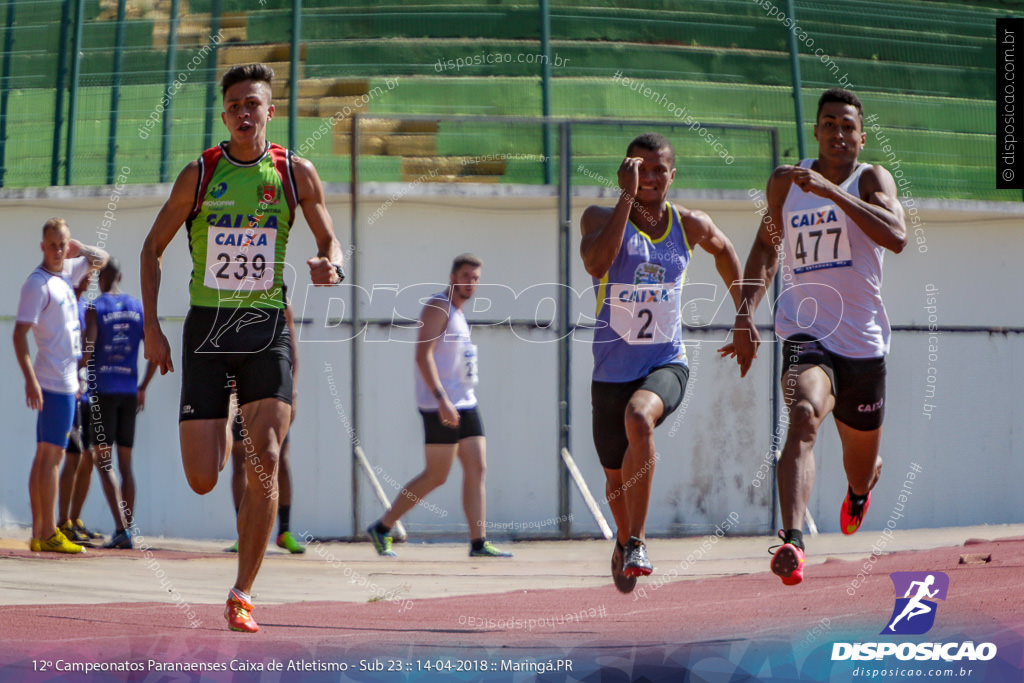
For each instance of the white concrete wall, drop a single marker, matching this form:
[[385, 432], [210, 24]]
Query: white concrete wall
[[709, 452]]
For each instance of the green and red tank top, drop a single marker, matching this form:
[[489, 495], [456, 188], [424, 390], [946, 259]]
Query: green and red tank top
[[238, 229]]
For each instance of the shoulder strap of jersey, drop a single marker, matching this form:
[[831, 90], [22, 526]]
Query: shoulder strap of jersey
[[675, 218], [282, 159], [207, 163]]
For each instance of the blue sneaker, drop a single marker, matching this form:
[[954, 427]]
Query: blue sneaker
[[121, 540]]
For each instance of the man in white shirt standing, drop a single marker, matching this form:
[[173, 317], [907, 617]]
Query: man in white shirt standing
[[446, 373], [49, 308]]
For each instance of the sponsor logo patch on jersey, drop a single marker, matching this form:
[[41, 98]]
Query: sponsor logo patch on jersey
[[649, 274], [268, 194]]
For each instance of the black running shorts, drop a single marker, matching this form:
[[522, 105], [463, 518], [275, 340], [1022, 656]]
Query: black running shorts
[[857, 383], [223, 350], [609, 401], [113, 416], [437, 433], [80, 436]]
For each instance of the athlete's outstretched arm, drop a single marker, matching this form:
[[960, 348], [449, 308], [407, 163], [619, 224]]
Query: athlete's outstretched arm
[[876, 211], [289, 320], [603, 229], [701, 230], [170, 219], [762, 263], [140, 394], [33, 392], [310, 193]]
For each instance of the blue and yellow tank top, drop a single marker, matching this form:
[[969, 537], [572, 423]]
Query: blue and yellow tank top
[[638, 318]]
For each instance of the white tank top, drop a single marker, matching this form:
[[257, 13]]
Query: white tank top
[[455, 358], [831, 276]]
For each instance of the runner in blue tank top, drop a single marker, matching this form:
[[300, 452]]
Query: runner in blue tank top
[[637, 253], [829, 222]]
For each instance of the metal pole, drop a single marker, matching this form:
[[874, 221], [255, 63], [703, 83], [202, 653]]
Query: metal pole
[[172, 58], [794, 63], [565, 343], [352, 267], [545, 83], [776, 378], [76, 70], [115, 93], [6, 92], [293, 76], [58, 108], [211, 79]]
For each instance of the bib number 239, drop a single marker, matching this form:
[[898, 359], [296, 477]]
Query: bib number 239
[[240, 259]]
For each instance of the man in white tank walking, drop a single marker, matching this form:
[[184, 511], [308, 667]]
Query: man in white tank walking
[[829, 221], [446, 372]]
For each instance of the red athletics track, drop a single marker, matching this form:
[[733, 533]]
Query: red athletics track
[[984, 602]]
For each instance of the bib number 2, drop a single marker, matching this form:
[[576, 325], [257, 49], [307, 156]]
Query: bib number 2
[[643, 314], [469, 367]]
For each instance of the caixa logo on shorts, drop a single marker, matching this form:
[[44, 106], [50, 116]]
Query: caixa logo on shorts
[[914, 613], [871, 408]]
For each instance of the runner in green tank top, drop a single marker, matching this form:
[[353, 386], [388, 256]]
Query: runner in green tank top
[[237, 201], [238, 257]]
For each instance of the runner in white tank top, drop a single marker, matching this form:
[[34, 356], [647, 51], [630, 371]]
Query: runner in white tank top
[[446, 373], [831, 219]]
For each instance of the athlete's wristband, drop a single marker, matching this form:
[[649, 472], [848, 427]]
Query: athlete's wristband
[[341, 273]]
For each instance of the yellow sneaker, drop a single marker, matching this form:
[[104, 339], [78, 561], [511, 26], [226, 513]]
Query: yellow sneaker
[[71, 533], [58, 543], [34, 545]]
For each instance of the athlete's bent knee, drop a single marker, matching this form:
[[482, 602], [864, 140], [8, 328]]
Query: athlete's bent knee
[[639, 425], [804, 421], [201, 483], [435, 479]]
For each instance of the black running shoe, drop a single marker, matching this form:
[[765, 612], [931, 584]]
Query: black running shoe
[[86, 532], [623, 583], [636, 562]]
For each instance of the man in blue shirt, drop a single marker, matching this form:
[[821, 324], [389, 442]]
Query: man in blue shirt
[[113, 334]]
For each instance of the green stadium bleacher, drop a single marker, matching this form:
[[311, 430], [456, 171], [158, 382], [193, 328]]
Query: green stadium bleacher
[[924, 68]]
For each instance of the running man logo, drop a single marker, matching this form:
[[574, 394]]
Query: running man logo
[[914, 613]]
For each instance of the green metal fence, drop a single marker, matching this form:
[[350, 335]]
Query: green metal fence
[[88, 87]]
